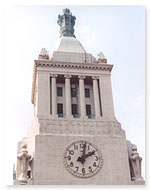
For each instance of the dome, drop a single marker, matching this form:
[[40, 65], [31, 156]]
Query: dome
[[69, 44], [69, 49]]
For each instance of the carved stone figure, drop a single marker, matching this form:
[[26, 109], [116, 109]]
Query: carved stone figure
[[101, 58], [43, 54], [135, 163], [24, 158]]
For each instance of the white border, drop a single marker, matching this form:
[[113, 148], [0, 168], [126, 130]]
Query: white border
[[80, 2]]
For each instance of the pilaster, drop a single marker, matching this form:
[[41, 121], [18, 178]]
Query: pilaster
[[43, 94], [106, 96]]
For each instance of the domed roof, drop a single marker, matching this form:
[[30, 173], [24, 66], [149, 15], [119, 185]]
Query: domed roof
[[68, 48], [69, 44]]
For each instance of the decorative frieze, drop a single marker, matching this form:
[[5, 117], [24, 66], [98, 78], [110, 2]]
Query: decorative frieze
[[46, 63]]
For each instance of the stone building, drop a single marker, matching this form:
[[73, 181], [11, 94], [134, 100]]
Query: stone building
[[74, 137]]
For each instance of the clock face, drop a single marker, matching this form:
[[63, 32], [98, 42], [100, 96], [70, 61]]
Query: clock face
[[83, 159]]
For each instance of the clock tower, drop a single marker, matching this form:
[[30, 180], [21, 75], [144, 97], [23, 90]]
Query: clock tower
[[74, 138]]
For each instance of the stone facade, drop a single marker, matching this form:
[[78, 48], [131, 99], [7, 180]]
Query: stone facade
[[72, 99]]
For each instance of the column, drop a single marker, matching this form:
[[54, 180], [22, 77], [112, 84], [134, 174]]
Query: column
[[96, 96], [54, 95], [68, 95], [82, 96]]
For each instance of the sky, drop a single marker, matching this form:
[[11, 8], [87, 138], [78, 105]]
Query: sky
[[117, 31]]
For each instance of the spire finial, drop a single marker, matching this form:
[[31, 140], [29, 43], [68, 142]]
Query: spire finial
[[66, 23]]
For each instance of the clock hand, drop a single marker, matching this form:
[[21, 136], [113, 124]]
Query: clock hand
[[89, 154], [81, 159], [84, 149]]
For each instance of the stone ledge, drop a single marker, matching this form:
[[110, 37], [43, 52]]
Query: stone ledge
[[77, 126], [17, 182], [97, 119], [138, 182]]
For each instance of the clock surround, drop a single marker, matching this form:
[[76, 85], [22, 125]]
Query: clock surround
[[83, 159]]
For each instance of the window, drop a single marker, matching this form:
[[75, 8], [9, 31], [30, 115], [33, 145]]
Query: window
[[88, 109], [87, 92], [74, 109], [73, 92], [59, 91], [59, 108]]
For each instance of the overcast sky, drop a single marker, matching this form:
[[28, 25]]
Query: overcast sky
[[117, 31]]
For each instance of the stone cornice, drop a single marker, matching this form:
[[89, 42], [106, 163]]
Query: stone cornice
[[71, 65]]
